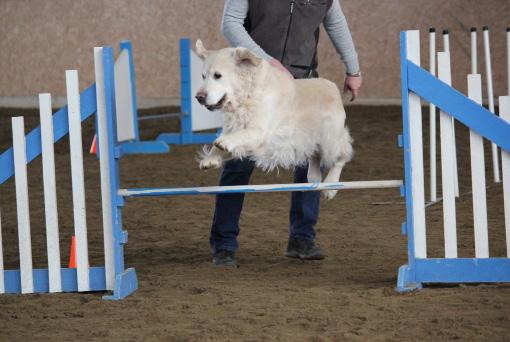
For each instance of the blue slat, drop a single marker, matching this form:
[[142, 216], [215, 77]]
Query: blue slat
[[60, 128], [194, 138], [407, 155], [463, 270], [465, 110], [185, 51], [125, 284], [69, 280], [144, 147]]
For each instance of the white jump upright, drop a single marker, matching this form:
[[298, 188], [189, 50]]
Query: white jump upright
[[24, 236], [446, 46], [448, 167], [504, 105], [478, 176], [490, 95], [50, 194], [413, 131], [432, 120], [508, 58], [103, 165], [478, 159], [418, 83], [474, 51], [78, 180], [2, 279]]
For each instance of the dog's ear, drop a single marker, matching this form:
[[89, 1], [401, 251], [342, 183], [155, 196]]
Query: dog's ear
[[200, 49], [246, 57]]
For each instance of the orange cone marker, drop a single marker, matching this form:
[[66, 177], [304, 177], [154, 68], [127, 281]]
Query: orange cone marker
[[72, 255], [93, 147]]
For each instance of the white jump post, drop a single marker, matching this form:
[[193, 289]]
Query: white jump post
[[2, 281], [447, 165], [78, 182], [20, 169], [490, 94], [508, 58], [105, 170], [432, 119], [504, 105], [446, 45], [474, 51], [50, 194], [478, 176], [416, 146]]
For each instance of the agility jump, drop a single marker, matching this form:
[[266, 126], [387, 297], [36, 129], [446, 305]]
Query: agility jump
[[113, 276], [419, 84]]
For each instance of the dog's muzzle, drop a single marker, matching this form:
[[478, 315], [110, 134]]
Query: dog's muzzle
[[216, 106], [201, 97]]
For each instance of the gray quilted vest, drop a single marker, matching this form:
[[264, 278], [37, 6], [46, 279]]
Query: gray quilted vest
[[288, 30]]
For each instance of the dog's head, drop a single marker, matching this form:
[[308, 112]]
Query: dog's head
[[225, 74]]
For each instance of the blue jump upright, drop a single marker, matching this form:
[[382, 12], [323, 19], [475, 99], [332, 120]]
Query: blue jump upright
[[191, 114], [126, 101]]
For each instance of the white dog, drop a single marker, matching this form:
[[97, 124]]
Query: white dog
[[271, 118]]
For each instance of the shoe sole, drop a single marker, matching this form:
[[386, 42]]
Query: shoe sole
[[304, 257], [231, 264]]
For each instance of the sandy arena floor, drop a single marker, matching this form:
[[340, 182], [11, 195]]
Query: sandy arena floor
[[348, 296]]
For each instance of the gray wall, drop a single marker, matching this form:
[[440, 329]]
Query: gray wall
[[40, 39]]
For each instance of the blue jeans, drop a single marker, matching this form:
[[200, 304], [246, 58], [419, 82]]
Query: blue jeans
[[304, 210]]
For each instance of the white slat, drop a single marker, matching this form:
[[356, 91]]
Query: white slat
[[80, 222], [490, 95], [432, 120], [504, 111], [201, 118], [447, 165], [2, 282], [478, 176], [20, 170], [50, 193], [508, 59], [104, 164], [474, 52], [446, 45], [416, 140], [124, 98]]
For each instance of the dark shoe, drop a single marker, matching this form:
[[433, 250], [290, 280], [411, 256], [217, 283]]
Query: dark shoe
[[224, 258], [303, 249]]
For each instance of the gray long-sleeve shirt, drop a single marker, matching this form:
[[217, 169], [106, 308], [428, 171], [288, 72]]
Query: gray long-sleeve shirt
[[335, 23]]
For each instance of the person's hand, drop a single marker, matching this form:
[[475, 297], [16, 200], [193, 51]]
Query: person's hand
[[276, 63], [353, 84]]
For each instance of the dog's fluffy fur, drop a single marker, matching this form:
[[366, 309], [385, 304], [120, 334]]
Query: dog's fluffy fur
[[271, 118]]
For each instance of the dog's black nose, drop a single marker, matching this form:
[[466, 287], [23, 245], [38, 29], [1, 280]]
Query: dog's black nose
[[201, 97]]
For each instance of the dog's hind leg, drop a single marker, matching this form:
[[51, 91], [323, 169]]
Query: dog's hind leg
[[314, 170], [333, 177]]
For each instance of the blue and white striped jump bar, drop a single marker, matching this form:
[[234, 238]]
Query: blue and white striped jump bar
[[212, 190]]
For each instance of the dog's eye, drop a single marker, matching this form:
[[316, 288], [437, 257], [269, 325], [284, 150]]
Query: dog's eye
[[203, 76], [217, 76]]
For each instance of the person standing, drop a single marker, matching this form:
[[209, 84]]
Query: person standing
[[286, 34]]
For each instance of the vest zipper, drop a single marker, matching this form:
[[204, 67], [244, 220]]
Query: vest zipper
[[291, 11]]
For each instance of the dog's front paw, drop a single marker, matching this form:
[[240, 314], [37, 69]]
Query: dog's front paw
[[221, 143], [226, 143], [329, 194], [211, 163]]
